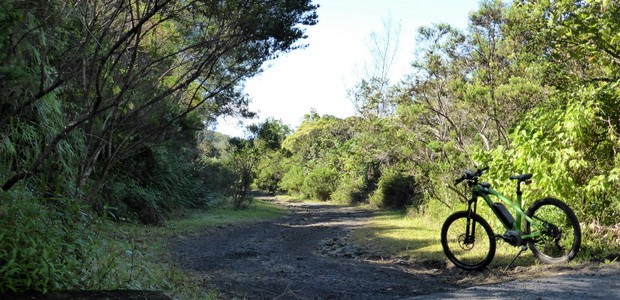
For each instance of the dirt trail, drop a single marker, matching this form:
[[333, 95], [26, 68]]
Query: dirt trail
[[303, 255], [604, 284], [306, 255]]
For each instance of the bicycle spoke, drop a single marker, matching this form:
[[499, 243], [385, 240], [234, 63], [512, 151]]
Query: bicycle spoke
[[469, 248], [560, 235]]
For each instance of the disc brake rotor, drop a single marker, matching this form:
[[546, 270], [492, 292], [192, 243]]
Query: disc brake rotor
[[464, 244]]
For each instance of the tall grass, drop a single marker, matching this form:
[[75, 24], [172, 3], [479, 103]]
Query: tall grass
[[43, 248]]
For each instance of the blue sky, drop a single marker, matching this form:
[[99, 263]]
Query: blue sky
[[319, 76]]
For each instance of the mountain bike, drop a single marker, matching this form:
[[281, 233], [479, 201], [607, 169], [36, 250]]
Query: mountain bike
[[549, 227]]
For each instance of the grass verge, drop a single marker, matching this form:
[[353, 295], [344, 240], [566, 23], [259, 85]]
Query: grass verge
[[417, 238], [393, 234], [148, 247]]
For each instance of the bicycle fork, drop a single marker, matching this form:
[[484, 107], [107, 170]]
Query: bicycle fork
[[470, 229]]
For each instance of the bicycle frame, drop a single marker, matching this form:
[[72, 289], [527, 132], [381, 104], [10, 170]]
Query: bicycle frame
[[479, 191], [549, 228]]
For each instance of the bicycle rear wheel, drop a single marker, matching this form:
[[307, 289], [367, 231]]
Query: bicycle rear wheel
[[561, 234], [468, 242]]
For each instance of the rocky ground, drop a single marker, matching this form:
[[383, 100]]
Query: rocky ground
[[304, 255], [307, 255]]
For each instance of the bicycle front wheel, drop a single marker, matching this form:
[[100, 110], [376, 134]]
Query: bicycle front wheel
[[468, 241], [560, 234]]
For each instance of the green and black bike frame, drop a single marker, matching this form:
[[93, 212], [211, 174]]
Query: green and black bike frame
[[484, 191]]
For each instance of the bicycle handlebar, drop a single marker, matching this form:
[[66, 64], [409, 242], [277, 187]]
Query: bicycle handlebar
[[469, 175], [458, 180]]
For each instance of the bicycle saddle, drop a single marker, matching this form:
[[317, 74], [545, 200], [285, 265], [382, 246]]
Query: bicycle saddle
[[522, 177]]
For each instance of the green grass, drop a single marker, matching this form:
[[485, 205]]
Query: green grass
[[194, 222], [417, 238], [394, 234], [148, 247]]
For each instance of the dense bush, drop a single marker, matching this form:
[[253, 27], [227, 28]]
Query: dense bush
[[396, 191], [350, 192], [269, 172], [293, 180], [570, 151], [320, 183], [38, 251], [52, 244], [155, 182]]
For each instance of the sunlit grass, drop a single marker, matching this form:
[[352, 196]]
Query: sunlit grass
[[394, 234], [196, 221], [398, 235], [200, 220], [416, 238]]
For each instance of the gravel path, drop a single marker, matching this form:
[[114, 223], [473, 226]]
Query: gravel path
[[306, 255], [600, 284]]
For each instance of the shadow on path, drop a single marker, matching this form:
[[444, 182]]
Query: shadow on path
[[289, 258]]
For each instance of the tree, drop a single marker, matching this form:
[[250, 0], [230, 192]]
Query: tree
[[269, 134], [573, 137], [314, 160], [267, 140], [435, 82], [371, 96], [241, 161], [126, 75]]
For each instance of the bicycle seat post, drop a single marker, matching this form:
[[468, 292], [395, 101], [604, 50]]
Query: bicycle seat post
[[521, 178], [519, 192]]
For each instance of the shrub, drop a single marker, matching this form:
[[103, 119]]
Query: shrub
[[156, 181], [41, 248], [293, 180], [54, 244], [350, 192], [320, 183], [396, 191], [270, 172]]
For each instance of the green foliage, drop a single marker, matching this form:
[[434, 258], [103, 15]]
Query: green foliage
[[270, 134], [316, 135], [24, 140], [396, 190], [101, 110], [293, 179], [270, 172], [140, 85], [570, 142], [267, 140], [157, 181], [350, 191], [567, 147], [241, 162], [37, 251], [50, 245], [320, 183], [313, 155]]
